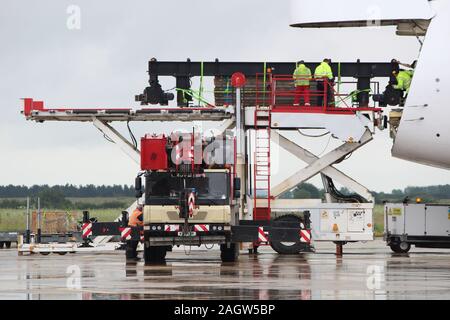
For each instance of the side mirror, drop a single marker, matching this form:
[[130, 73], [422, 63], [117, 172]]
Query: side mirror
[[138, 187], [138, 183]]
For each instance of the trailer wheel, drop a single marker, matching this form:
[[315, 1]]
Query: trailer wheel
[[62, 253], [402, 247], [229, 252], [1, 244], [45, 253], [8, 245], [154, 255], [288, 247]]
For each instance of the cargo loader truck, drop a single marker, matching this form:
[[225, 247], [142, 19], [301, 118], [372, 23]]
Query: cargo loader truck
[[194, 201]]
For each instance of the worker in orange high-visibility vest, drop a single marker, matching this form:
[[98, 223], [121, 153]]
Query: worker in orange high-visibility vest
[[136, 219]]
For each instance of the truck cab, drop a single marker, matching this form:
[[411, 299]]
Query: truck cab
[[213, 212], [209, 222], [213, 202]]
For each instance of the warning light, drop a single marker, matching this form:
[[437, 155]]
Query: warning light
[[238, 80], [369, 225], [335, 227], [418, 200]]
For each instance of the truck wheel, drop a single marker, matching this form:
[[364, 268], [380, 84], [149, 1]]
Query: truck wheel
[[62, 253], [8, 244], [1, 244], [402, 247], [154, 254], [288, 247], [229, 252]]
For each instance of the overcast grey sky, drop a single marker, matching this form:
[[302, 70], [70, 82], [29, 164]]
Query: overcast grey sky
[[105, 62]]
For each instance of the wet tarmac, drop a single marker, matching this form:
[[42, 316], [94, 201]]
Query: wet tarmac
[[366, 271]]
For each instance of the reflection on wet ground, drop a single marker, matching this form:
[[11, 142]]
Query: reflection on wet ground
[[366, 271]]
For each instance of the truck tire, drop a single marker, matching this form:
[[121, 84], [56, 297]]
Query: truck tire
[[8, 245], [289, 247], [229, 252], [402, 247], [153, 254], [1, 244]]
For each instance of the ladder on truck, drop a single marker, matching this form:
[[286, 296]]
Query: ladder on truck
[[261, 165]]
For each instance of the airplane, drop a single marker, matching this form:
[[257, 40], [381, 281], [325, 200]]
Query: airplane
[[423, 134]]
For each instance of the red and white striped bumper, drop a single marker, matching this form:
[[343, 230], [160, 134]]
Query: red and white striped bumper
[[305, 236], [263, 236], [125, 234], [86, 230]]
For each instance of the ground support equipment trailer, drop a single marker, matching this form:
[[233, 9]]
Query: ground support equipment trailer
[[45, 243], [419, 224], [255, 101]]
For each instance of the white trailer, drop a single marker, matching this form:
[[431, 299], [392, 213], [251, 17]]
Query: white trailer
[[337, 222], [419, 224]]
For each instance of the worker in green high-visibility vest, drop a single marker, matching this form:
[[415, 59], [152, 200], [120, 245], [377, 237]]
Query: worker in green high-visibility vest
[[322, 74], [404, 78], [302, 76]]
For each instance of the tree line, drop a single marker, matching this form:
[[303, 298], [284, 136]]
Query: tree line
[[55, 197], [51, 199], [68, 190]]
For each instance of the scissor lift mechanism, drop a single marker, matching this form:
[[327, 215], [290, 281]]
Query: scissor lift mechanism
[[355, 131]]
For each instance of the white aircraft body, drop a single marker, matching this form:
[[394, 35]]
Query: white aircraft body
[[423, 135]]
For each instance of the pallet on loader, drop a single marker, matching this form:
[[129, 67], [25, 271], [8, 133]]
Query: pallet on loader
[[61, 248]]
